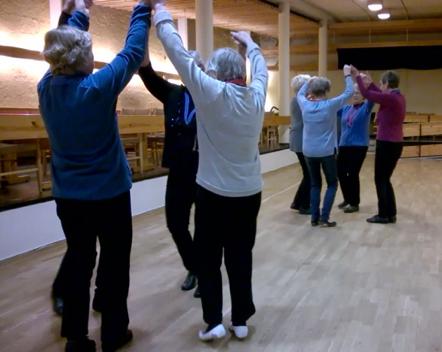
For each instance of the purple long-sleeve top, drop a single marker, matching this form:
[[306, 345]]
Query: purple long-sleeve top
[[391, 112]]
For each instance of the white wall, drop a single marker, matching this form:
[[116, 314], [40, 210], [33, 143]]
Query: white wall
[[27, 228]]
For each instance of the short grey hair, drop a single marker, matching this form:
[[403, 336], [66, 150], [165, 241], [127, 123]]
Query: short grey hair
[[67, 49], [227, 64], [391, 78], [319, 86], [197, 58], [298, 81]]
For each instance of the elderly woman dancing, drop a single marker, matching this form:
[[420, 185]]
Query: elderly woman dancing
[[91, 177], [301, 202], [229, 121], [353, 146], [390, 117], [320, 140]]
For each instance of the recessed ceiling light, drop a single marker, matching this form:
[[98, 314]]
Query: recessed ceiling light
[[384, 15], [375, 5]]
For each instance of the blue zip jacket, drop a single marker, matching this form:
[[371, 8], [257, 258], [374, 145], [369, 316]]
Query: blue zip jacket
[[79, 111]]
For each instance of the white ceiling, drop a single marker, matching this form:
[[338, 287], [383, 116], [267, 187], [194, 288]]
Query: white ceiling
[[356, 10]]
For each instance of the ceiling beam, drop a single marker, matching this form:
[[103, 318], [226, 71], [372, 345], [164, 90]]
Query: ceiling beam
[[420, 25]]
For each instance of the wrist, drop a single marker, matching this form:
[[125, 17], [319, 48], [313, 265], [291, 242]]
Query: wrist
[[159, 7]]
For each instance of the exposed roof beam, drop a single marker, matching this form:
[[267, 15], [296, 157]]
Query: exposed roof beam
[[421, 25]]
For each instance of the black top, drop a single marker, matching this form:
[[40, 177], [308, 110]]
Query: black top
[[180, 143]]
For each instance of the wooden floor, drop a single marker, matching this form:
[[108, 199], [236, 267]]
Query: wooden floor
[[358, 287]]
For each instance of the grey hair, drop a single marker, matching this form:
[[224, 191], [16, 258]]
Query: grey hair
[[298, 81], [319, 86], [226, 64], [197, 58], [67, 49], [391, 78]]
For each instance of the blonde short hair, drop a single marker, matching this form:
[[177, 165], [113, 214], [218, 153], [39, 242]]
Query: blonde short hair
[[67, 49], [298, 81]]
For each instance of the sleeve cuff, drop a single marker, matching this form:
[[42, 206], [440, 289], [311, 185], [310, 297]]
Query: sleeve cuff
[[252, 47], [161, 16]]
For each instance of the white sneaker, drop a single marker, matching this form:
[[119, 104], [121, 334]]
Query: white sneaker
[[218, 332], [240, 331]]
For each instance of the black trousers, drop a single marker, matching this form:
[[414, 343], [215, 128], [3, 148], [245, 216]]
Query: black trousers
[[350, 160], [386, 158], [180, 195], [83, 222], [225, 224], [59, 284], [302, 196]]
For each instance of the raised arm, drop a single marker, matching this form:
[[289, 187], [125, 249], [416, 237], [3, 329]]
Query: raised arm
[[258, 64], [156, 85], [301, 96], [339, 101], [197, 81], [116, 75], [373, 93], [69, 7]]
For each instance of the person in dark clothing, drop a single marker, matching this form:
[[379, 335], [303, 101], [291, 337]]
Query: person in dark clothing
[[180, 156]]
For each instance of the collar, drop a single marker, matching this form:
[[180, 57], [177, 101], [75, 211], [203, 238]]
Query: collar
[[238, 81]]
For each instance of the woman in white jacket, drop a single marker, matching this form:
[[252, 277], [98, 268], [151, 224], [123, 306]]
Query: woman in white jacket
[[229, 122]]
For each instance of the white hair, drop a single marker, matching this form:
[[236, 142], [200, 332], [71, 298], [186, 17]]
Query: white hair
[[226, 64], [298, 81], [67, 49]]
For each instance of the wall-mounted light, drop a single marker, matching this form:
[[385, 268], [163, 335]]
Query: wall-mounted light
[[384, 15], [375, 5]]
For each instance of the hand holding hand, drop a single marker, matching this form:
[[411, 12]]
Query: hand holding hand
[[347, 70], [242, 38], [68, 6], [354, 72], [153, 3], [366, 79]]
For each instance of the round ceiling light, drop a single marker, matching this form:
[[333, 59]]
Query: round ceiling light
[[375, 5], [384, 15]]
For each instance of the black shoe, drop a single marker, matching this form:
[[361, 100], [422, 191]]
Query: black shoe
[[392, 219], [342, 205], [351, 209], [83, 345], [112, 347], [293, 206], [97, 304], [189, 282], [305, 211], [327, 223], [376, 219], [57, 305], [197, 292], [315, 223]]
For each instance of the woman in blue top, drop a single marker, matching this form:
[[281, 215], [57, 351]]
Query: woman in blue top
[[353, 146], [90, 174], [320, 140]]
